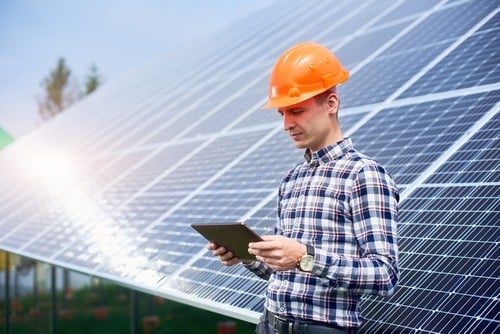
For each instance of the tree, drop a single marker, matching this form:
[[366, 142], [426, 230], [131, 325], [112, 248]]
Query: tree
[[93, 80], [60, 91]]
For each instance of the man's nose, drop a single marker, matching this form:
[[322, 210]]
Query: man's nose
[[288, 122]]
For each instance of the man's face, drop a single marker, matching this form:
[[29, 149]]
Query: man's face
[[309, 123]]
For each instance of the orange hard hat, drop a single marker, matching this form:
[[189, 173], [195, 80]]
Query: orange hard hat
[[303, 71]]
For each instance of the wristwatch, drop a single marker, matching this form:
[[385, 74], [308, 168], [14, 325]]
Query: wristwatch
[[306, 262]]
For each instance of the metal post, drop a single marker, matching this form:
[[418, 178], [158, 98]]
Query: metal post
[[16, 284], [134, 312], [150, 304], [7, 294], [35, 285], [64, 288], [53, 301]]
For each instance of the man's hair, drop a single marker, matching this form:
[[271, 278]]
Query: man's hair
[[321, 98]]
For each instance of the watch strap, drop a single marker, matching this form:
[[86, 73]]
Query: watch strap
[[309, 251]]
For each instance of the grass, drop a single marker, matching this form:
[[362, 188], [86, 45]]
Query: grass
[[106, 310]]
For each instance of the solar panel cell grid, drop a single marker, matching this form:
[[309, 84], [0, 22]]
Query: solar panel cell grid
[[492, 24], [263, 168], [228, 112], [80, 256], [473, 63], [381, 77], [365, 44], [445, 24], [162, 150], [15, 240], [39, 212], [409, 9], [140, 133], [220, 207], [258, 117], [52, 240], [145, 209], [244, 291], [125, 182], [205, 163], [358, 14], [475, 161], [422, 133], [186, 117]]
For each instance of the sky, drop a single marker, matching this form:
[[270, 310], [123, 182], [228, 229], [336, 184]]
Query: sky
[[115, 35]]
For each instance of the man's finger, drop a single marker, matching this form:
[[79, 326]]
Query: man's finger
[[219, 251], [266, 244]]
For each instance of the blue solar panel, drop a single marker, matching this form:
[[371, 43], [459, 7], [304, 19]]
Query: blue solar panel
[[186, 141], [474, 63], [409, 9], [445, 24], [408, 139], [362, 46], [476, 161], [376, 81], [444, 250]]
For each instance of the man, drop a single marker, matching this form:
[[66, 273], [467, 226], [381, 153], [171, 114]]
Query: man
[[335, 237]]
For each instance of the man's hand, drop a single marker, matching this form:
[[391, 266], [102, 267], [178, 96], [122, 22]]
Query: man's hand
[[226, 257], [278, 252]]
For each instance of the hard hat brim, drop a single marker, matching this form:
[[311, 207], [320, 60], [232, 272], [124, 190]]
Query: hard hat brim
[[288, 101]]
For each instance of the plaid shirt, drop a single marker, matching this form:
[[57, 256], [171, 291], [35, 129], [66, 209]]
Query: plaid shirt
[[345, 205]]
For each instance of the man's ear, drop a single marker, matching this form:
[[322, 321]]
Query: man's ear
[[333, 103]]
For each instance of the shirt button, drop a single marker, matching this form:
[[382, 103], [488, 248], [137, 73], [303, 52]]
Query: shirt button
[[282, 309], [296, 224]]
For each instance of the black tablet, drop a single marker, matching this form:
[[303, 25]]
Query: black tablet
[[232, 236]]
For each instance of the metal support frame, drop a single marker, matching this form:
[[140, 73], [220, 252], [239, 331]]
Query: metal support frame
[[35, 285], [7, 295], [53, 300], [134, 312]]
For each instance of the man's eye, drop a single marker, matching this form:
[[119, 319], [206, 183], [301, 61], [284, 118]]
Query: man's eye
[[291, 111]]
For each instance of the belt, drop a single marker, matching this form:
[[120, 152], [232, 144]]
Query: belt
[[284, 326]]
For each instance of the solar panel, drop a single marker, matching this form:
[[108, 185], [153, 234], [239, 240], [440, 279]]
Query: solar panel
[[408, 139], [111, 187]]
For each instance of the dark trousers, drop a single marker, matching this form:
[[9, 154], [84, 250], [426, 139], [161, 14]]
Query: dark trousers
[[265, 327]]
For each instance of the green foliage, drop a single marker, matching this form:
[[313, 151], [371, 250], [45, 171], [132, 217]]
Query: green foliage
[[58, 89], [61, 90], [175, 318], [93, 80], [5, 139]]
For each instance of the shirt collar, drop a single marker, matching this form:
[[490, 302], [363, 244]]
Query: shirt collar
[[328, 153]]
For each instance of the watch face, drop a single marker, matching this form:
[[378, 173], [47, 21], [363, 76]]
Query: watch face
[[306, 263]]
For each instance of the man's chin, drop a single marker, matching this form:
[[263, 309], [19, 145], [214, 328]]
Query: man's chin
[[300, 145]]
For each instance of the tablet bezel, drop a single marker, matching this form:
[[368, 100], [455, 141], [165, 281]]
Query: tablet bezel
[[232, 236]]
